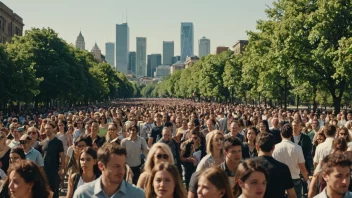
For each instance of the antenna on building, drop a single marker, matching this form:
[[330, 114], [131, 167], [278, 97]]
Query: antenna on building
[[126, 15], [122, 17]]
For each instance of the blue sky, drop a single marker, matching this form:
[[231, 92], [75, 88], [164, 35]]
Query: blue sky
[[222, 21]]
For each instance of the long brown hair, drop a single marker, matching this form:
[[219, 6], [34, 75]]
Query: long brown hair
[[244, 170], [179, 191], [219, 179]]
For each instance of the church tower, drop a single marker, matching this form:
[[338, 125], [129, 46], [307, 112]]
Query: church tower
[[80, 44], [96, 53]]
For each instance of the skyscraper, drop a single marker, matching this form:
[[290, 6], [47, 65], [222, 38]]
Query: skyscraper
[[204, 47], [187, 40], [110, 53], [97, 53], [122, 47], [154, 60], [141, 55], [132, 63], [168, 52], [176, 59], [80, 44]]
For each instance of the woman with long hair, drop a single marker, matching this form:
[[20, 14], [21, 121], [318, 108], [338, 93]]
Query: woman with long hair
[[214, 183], [26, 180], [158, 153], [88, 171], [249, 150], [320, 138], [72, 157], [215, 152], [339, 145], [165, 182], [251, 179]]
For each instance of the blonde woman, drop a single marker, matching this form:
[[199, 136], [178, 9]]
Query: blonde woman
[[158, 153], [215, 155]]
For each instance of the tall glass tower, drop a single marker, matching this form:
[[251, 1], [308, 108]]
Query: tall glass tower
[[122, 47], [187, 40]]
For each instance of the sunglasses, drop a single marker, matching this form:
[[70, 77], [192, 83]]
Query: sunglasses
[[162, 156], [32, 132], [23, 142], [2, 137]]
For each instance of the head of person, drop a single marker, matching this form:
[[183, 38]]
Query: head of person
[[190, 125], [252, 133], [112, 162], [210, 124], [344, 133], [61, 126], [33, 133], [214, 183], [263, 126], [165, 181], [286, 131], [158, 153], [79, 124], [113, 130], [49, 129], [17, 132], [215, 142], [233, 150], [234, 127], [79, 144], [158, 118], [265, 142], [166, 133], [25, 142], [251, 179], [275, 122], [133, 130], [296, 126], [94, 127], [88, 161], [17, 154], [339, 145], [315, 124], [25, 177], [2, 139], [196, 136], [329, 130], [336, 172]]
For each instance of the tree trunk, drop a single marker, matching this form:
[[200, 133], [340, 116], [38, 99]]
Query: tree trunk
[[337, 104], [315, 104]]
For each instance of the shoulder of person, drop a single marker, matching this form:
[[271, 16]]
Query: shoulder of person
[[134, 190]]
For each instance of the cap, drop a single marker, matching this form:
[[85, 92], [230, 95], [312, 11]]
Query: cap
[[20, 129]]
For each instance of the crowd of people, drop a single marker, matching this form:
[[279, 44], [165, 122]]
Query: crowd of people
[[175, 148]]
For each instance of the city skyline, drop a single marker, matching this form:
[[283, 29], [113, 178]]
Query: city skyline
[[223, 22]]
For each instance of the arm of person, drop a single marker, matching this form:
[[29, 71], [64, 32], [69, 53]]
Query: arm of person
[[191, 195], [304, 171], [145, 148], [150, 142], [312, 190], [62, 161], [40, 161], [141, 180], [291, 193], [70, 186]]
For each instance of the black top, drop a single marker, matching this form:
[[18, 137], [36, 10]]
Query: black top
[[98, 141], [276, 134], [5, 161], [246, 153], [156, 133], [52, 150], [279, 177]]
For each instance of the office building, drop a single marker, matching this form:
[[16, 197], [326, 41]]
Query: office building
[[187, 40], [110, 53], [132, 63], [220, 49], [175, 59], [141, 55], [97, 53], [162, 71], [122, 47], [168, 52], [239, 47], [10, 24], [154, 60], [204, 47], [177, 66]]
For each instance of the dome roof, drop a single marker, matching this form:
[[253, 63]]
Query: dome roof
[[95, 48]]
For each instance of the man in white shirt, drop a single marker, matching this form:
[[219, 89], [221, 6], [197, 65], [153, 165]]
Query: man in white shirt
[[325, 148], [291, 154]]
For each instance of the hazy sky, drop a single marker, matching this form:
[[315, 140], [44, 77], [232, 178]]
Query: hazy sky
[[222, 21]]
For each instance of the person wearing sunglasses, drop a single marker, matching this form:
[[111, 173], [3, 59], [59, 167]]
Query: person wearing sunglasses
[[134, 144], [31, 153], [158, 153], [17, 133]]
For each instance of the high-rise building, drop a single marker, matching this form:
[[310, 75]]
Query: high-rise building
[[141, 55], [168, 52], [80, 44], [132, 63], [239, 47], [204, 47], [187, 40], [110, 53], [154, 60], [10, 24], [122, 47], [175, 59], [220, 49], [97, 53]]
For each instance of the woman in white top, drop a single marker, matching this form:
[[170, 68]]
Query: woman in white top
[[215, 152], [62, 136], [88, 171]]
